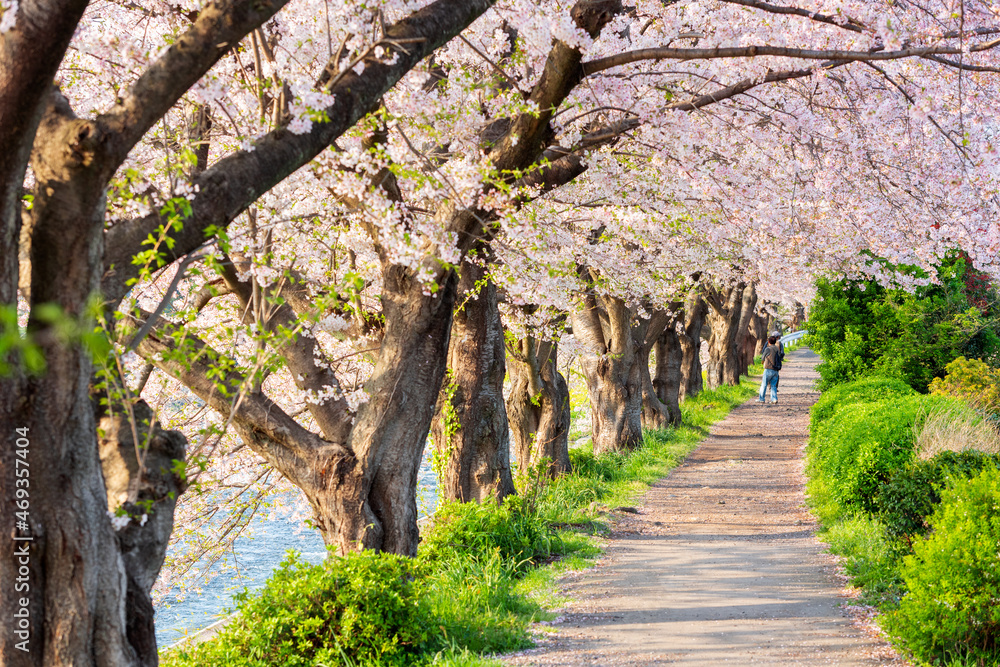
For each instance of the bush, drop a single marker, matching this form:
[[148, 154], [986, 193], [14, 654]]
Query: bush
[[866, 390], [867, 442], [860, 449], [861, 328], [952, 608], [972, 380], [911, 493], [365, 607]]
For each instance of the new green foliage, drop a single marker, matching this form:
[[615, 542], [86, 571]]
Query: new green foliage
[[861, 328], [910, 495], [874, 498], [866, 390], [369, 606], [952, 605]]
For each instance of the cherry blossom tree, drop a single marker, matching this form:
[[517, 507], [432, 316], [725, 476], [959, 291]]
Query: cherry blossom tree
[[281, 208], [89, 585]]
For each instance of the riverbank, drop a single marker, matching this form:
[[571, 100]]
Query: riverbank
[[484, 571]]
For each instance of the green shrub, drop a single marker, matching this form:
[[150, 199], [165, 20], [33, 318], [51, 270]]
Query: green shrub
[[861, 448], [865, 390], [866, 443], [973, 380], [861, 328], [512, 528], [952, 607], [367, 608], [911, 493]]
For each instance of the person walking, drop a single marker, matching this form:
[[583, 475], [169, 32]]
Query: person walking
[[772, 357], [781, 353]]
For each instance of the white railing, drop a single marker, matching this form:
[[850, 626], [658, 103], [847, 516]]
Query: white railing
[[788, 338]]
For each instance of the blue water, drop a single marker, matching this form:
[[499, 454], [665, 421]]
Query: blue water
[[256, 557]]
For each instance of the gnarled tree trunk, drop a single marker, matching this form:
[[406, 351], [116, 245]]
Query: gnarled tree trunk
[[695, 311], [661, 395], [538, 406], [361, 476], [724, 316], [135, 486], [614, 366], [798, 317], [757, 336], [81, 588], [470, 427], [747, 309]]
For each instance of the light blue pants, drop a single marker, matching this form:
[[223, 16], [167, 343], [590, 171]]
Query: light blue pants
[[770, 379]]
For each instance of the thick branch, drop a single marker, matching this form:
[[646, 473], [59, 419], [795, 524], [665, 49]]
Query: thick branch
[[668, 53], [587, 325], [283, 441], [218, 28], [235, 182], [658, 321], [30, 54], [526, 137], [300, 354]]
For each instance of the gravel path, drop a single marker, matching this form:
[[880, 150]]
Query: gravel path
[[721, 564]]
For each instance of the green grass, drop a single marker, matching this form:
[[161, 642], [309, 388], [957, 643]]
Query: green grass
[[484, 573]]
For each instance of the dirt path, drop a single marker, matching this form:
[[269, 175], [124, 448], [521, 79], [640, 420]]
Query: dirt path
[[721, 564]]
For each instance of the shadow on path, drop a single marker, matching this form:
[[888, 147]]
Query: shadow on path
[[721, 565]]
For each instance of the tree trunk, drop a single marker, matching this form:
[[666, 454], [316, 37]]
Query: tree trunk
[[613, 368], [470, 427], [798, 317], [723, 353], [362, 491], [364, 495], [538, 407], [391, 427], [743, 344], [143, 543], [614, 387], [81, 587], [695, 310], [758, 335], [661, 395]]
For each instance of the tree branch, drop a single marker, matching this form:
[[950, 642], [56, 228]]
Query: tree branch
[[236, 181], [847, 24], [748, 84], [300, 353], [669, 53], [283, 441], [219, 27]]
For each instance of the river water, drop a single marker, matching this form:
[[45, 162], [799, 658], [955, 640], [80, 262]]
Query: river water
[[256, 558]]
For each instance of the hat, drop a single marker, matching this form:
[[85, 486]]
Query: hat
[[775, 333]]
